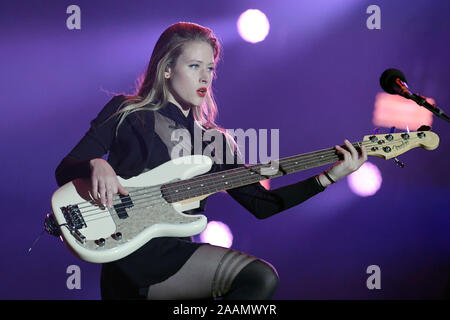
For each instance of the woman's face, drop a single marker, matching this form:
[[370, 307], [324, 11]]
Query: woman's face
[[192, 74]]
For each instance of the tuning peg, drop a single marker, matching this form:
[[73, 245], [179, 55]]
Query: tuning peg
[[424, 128], [399, 163]]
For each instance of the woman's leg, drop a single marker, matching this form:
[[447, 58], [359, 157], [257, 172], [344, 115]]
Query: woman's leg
[[218, 272], [257, 281]]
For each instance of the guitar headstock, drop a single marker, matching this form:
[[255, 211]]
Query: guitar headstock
[[390, 145]]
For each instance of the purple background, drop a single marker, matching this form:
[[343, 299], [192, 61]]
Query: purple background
[[314, 78]]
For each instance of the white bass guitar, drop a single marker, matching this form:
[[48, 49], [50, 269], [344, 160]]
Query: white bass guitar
[[157, 198]]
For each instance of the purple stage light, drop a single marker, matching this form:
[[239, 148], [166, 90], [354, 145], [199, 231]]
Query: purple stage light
[[366, 181], [217, 233], [253, 25]]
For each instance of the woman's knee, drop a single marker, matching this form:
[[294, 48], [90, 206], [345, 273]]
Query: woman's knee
[[266, 275], [257, 280]]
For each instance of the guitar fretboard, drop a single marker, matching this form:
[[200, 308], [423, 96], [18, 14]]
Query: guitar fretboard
[[245, 175]]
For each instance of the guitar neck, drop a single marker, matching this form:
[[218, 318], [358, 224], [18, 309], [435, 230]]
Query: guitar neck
[[385, 146], [245, 175]]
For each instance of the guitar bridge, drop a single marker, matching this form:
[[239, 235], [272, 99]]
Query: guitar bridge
[[77, 235], [73, 217]]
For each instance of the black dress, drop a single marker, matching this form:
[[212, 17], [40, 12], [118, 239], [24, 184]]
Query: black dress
[[142, 143]]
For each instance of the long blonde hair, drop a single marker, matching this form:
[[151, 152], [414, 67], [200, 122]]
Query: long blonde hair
[[152, 92]]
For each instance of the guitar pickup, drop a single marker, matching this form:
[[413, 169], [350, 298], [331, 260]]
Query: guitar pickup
[[120, 208]]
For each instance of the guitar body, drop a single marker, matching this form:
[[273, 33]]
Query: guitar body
[[99, 234]]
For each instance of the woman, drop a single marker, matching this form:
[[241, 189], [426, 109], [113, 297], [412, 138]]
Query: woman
[[135, 130]]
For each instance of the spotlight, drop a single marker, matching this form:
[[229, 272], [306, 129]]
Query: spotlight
[[253, 26], [366, 181], [217, 233]]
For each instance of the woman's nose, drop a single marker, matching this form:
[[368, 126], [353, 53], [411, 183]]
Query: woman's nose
[[204, 77]]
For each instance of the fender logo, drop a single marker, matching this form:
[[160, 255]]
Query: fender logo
[[401, 145]]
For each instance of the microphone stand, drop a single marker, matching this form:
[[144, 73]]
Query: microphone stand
[[400, 87], [421, 101]]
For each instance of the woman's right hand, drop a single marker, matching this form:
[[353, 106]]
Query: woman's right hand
[[104, 182]]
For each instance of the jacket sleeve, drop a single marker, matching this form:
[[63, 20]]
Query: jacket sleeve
[[263, 203], [95, 143]]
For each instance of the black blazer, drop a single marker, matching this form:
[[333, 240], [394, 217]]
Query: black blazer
[[128, 153]]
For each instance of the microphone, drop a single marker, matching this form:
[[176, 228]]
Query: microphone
[[393, 81]]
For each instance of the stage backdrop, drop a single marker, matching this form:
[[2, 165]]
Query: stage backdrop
[[314, 77]]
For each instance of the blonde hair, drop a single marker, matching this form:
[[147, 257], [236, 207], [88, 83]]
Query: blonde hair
[[152, 92]]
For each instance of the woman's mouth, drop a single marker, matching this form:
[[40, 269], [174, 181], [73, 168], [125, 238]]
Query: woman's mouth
[[201, 92]]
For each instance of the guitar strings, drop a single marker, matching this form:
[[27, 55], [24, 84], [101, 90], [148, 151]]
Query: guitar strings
[[236, 172], [148, 195], [205, 179], [148, 204], [147, 201], [287, 166]]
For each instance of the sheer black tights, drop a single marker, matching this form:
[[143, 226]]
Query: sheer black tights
[[213, 272]]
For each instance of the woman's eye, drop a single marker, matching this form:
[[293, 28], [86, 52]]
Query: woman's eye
[[196, 66]]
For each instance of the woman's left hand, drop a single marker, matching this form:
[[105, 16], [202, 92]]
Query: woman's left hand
[[352, 161]]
